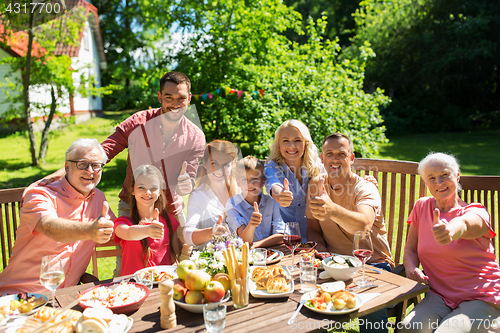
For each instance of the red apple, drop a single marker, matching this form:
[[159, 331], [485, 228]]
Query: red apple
[[180, 290], [194, 297], [184, 267], [197, 279], [224, 279], [214, 291]]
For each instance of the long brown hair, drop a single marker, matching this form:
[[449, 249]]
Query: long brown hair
[[225, 147], [161, 204]]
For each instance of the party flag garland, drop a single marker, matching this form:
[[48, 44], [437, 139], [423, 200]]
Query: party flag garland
[[226, 91]]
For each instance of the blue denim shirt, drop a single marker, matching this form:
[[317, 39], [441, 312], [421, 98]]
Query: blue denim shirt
[[239, 212], [296, 212]]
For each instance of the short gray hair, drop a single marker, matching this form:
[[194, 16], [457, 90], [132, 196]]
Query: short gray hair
[[448, 160], [89, 144]]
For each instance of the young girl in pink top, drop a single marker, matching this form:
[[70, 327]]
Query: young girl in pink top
[[148, 236]]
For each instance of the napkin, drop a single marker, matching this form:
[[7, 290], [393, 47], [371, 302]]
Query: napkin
[[365, 297]]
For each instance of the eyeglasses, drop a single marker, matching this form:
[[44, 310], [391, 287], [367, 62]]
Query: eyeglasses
[[82, 165]]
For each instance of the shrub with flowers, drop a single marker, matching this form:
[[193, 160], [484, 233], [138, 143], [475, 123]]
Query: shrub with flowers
[[211, 259]]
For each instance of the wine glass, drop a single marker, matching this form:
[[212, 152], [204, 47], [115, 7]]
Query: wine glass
[[362, 249], [291, 238], [51, 274]]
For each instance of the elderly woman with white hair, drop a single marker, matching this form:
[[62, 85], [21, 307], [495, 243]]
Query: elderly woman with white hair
[[451, 239]]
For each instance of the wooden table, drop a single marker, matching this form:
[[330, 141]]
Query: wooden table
[[270, 315]]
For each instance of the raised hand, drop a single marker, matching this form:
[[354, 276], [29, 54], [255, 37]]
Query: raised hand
[[256, 215], [318, 204], [286, 196], [156, 227], [417, 275], [102, 228], [219, 229], [184, 185]]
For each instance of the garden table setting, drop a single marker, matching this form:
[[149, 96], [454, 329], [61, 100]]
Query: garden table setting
[[271, 314]]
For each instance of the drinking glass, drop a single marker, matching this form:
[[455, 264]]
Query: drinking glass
[[215, 317], [308, 276], [51, 274], [260, 257], [362, 249], [291, 238]]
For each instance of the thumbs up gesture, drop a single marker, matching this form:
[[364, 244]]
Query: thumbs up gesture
[[218, 229], [155, 229], [184, 184], [286, 196], [256, 215], [321, 205], [102, 228]]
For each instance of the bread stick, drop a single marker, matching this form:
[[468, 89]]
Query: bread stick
[[244, 260], [229, 265]]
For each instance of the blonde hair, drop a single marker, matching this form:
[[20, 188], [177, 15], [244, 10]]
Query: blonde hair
[[310, 160], [222, 146]]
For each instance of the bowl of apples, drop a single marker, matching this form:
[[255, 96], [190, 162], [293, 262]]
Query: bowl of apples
[[194, 288]]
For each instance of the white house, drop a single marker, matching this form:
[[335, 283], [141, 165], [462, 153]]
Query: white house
[[87, 57]]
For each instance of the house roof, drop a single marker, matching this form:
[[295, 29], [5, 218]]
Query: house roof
[[19, 40]]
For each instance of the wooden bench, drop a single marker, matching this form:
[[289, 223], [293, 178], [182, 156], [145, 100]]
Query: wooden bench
[[10, 204]]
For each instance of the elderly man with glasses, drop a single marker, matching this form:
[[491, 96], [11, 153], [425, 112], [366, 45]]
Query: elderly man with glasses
[[65, 218]]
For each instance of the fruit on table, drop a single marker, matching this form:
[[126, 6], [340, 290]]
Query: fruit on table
[[184, 267], [224, 279], [180, 289], [214, 291], [197, 279], [194, 297]]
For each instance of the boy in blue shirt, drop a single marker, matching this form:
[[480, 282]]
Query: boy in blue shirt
[[255, 216]]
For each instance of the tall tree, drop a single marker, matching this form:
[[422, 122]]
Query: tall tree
[[240, 44], [437, 59], [45, 29]]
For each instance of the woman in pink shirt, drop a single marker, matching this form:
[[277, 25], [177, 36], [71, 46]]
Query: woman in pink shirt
[[147, 237], [452, 241]]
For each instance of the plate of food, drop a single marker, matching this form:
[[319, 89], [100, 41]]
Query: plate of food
[[123, 297], [273, 256], [22, 303], [95, 319], [270, 282], [161, 273], [332, 303]]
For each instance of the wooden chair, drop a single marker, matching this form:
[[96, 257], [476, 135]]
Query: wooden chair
[[10, 201], [485, 190], [103, 251]]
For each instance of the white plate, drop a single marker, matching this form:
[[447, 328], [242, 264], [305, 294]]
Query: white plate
[[172, 270], [257, 293], [126, 327], [276, 259], [330, 309], [4, 300], [198, 308]]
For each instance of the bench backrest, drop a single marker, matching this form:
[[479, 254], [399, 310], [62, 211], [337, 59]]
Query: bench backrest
[[399, 186], [10, 201], [485, 190]]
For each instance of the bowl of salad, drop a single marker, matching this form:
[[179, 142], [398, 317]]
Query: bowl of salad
[[341, 268], [123, 297]]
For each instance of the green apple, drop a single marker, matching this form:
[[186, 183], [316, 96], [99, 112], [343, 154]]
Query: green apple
[[194, 297], [184, 267]]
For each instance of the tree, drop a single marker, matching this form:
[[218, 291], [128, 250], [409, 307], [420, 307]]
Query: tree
[[437, 59], [240, 44], [45, 29]]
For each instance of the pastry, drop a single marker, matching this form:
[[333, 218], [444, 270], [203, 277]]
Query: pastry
[[277, 285]]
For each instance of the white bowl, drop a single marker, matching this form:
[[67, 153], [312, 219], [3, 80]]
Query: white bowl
[[341, 273]]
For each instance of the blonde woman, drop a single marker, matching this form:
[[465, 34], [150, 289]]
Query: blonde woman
[[215, 185], [293, 161]]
